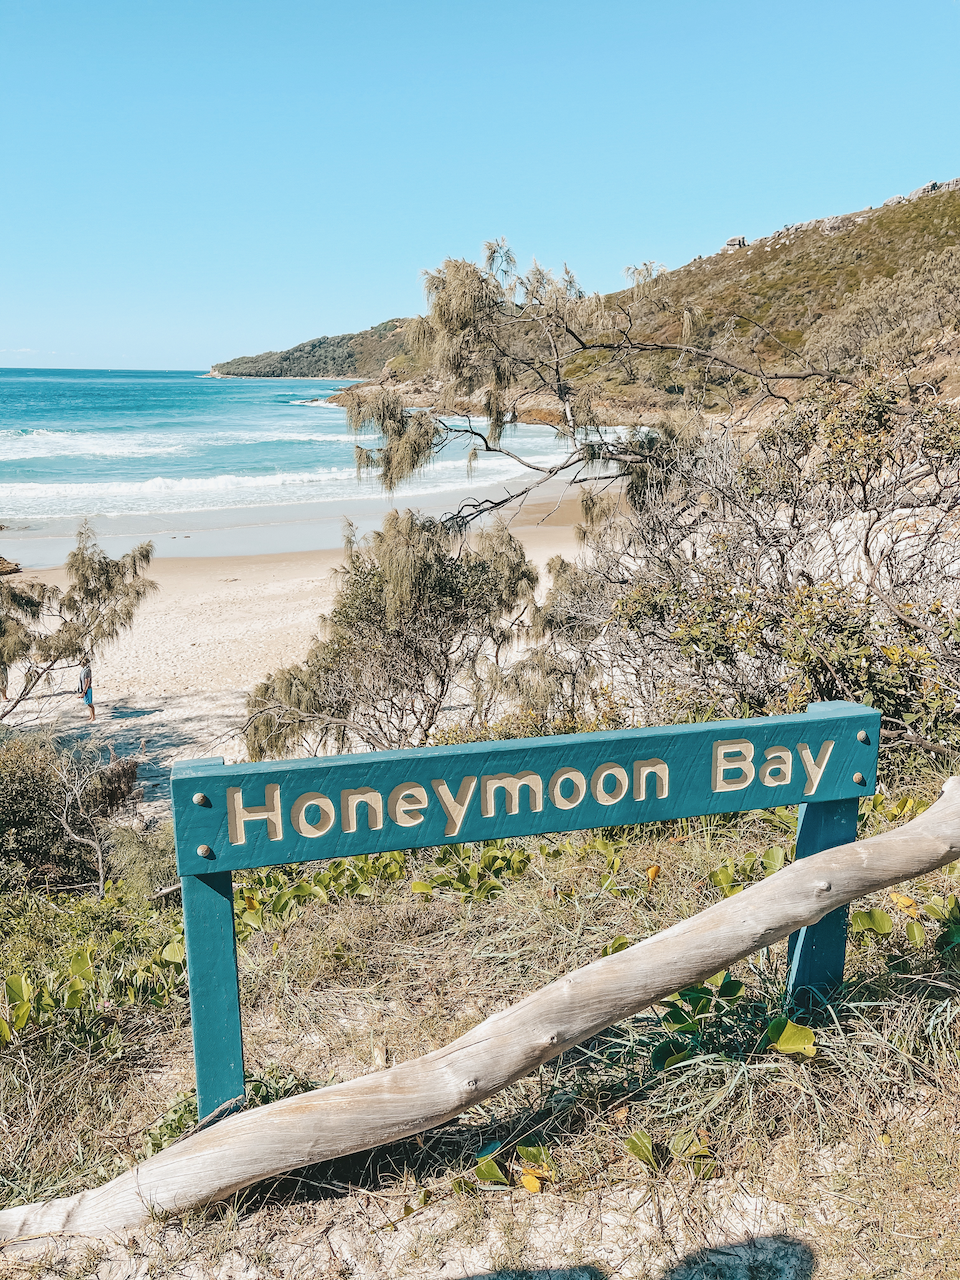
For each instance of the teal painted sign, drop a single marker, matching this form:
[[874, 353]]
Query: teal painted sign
[[232, 817]]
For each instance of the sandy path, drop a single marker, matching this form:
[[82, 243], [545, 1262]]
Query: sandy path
[[178, 680]]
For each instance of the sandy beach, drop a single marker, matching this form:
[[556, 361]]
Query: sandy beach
[[177, 680]]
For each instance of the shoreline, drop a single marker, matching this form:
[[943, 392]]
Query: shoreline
[[279, 528]]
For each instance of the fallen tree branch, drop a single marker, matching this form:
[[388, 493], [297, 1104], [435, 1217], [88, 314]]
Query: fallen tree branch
[[164, 893], [388, 1105]]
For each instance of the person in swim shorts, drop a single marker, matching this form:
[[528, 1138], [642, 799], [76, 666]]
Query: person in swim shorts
[[86, 685]]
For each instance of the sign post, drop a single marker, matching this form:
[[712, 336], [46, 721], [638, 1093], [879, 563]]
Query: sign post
[[816, 952], [235, 817]]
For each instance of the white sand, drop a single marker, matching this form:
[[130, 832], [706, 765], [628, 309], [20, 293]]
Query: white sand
[[178, 680]]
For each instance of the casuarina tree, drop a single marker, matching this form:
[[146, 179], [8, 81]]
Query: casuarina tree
[[46, 629], [419, 616]]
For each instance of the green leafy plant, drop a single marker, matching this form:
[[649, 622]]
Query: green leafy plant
[[789, 1037], [705, 1020], [612, 851], [91, 989], [869, 925], [946, 911], [270, 898], [489, 1171], [694, 1019], [95, 982], [177, 1120], [641, 1146], [533, 1166], [473, 873], [273, 1083], [685, 1148], [731, 876], [619, 943], [909, 806], [691, 1150], [530, 1166], [916, 934]]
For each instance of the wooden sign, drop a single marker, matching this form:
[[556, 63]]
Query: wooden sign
[[233, 817]]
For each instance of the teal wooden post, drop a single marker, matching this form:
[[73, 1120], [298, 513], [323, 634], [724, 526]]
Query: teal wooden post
[[214, 988], [816, 952]]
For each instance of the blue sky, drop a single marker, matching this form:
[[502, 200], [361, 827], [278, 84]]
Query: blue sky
[[192, 180]]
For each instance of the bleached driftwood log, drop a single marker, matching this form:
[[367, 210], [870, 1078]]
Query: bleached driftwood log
[[406, 1099]]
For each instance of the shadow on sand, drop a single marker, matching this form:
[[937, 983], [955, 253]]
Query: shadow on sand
[[758, 1258]]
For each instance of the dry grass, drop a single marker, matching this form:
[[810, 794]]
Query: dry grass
[[846, 1163]]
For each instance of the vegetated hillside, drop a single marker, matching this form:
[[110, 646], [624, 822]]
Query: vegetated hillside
[[346, 355], [789, 280], [760, 298], [847, 293]]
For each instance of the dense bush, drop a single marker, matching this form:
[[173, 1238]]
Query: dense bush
[[31, 838], [420, 622], [145, 860], [54, 806], [817, 562]]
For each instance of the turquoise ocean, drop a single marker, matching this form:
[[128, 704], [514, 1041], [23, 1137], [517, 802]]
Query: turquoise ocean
[[201, 465]]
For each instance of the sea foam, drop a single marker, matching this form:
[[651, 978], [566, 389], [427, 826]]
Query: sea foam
[[163, 494]]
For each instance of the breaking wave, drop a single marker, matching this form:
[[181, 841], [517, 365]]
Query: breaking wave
[[164, 494]]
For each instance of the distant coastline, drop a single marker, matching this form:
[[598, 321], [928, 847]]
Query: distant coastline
[[281, 377]]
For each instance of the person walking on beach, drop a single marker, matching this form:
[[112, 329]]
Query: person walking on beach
[[86, 685]]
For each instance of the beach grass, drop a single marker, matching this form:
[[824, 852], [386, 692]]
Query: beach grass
[[836, 1151]]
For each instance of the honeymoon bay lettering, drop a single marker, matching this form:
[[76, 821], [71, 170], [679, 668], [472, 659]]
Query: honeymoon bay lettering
[[734, 764]]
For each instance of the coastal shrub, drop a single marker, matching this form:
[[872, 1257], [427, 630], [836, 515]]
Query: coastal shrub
[[32, 841], [819, 562], [419, 625], [47, 629], [144, 859], [509, 346], [541, 712], [891, 320], [55, 806]]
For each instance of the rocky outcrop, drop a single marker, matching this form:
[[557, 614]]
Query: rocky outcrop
[[927, 189], [836, 223], [8, 566]]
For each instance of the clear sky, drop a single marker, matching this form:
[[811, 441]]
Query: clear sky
[[191, 180]]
